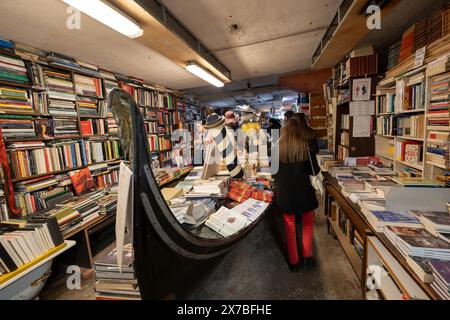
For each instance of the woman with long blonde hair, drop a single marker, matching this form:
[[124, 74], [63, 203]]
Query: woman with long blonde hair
[[294, 193]]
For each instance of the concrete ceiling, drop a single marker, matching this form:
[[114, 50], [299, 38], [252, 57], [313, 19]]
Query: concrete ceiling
[[256, 38], [42, 24]]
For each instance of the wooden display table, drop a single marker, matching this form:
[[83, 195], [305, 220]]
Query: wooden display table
[[333, 192]]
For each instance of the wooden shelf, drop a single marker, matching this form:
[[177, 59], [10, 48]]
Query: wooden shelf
[[418, 166], [85, 116], [89, 224], [431, 163], [386, 156], [12, 140], [15, 113], [47, 174], [385, 114], [89, 96], [14, 84], [411, 111], [411, 138], [385, 136], [353, 257]]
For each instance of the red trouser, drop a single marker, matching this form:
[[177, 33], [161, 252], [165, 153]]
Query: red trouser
[[291, 237]]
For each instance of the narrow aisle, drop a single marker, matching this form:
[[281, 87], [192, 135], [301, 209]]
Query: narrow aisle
[[256, 269]]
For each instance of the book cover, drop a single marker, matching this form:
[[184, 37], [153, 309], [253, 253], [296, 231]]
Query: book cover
[[82, 181], [45, 128], [442, 268]]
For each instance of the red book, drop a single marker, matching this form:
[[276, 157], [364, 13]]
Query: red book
[[86, 128], [82, 181]]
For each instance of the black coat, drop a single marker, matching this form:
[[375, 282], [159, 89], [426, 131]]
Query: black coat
[[294, 192]]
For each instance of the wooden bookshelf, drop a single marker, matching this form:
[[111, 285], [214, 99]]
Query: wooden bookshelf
[[47, 174], [404, 72]]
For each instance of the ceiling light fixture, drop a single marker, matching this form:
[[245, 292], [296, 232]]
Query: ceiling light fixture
[[108, 15], [195, 69]]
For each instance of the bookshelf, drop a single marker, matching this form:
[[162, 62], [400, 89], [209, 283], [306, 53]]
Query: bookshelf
[[413, 117], [55, 121]]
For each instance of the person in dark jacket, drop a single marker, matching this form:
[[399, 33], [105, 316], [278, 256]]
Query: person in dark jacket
[[295, 195]]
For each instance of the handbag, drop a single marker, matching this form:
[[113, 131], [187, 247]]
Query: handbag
[[316, 180]]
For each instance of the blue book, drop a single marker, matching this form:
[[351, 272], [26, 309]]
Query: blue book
[[395, 217], [6, 44]]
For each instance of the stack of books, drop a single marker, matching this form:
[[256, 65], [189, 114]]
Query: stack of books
[[108, 204], [67, 218], [113, 128], [110, 283], [446, 20], [434, 27], [62, 108], [441, 275], [29, 195], [59, 85], [406, 48], [439, 91], [17, 126], [438, 124], [418, 242], [420, 35], [66, 127], [87, 86], [22, 242], [15, 101], [382, 219], [13, 69], [434, 222], [88, 106], [87, 205], [214, 187], [226, 222], [60, 60], [437, 149]]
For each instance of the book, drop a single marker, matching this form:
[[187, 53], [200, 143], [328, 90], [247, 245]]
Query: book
[[82, 180], [418, 242], [381, 219], [434, 222], [45, 128]]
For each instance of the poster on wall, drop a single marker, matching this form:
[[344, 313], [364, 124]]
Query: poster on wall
[[361, 89], [361, 127], [362, 108]]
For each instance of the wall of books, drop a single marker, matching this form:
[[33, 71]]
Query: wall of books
[[55, 124], [412, 122]]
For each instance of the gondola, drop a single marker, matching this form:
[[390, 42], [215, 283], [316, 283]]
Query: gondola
[[169, 259]]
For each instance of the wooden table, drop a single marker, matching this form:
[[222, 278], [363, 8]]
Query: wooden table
[[333, 192]]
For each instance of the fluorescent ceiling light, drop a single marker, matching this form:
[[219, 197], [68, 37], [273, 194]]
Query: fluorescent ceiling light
[[107, 15], [203, 74]]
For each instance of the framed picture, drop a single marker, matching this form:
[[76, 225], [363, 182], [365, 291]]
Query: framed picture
[[361, 89]]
